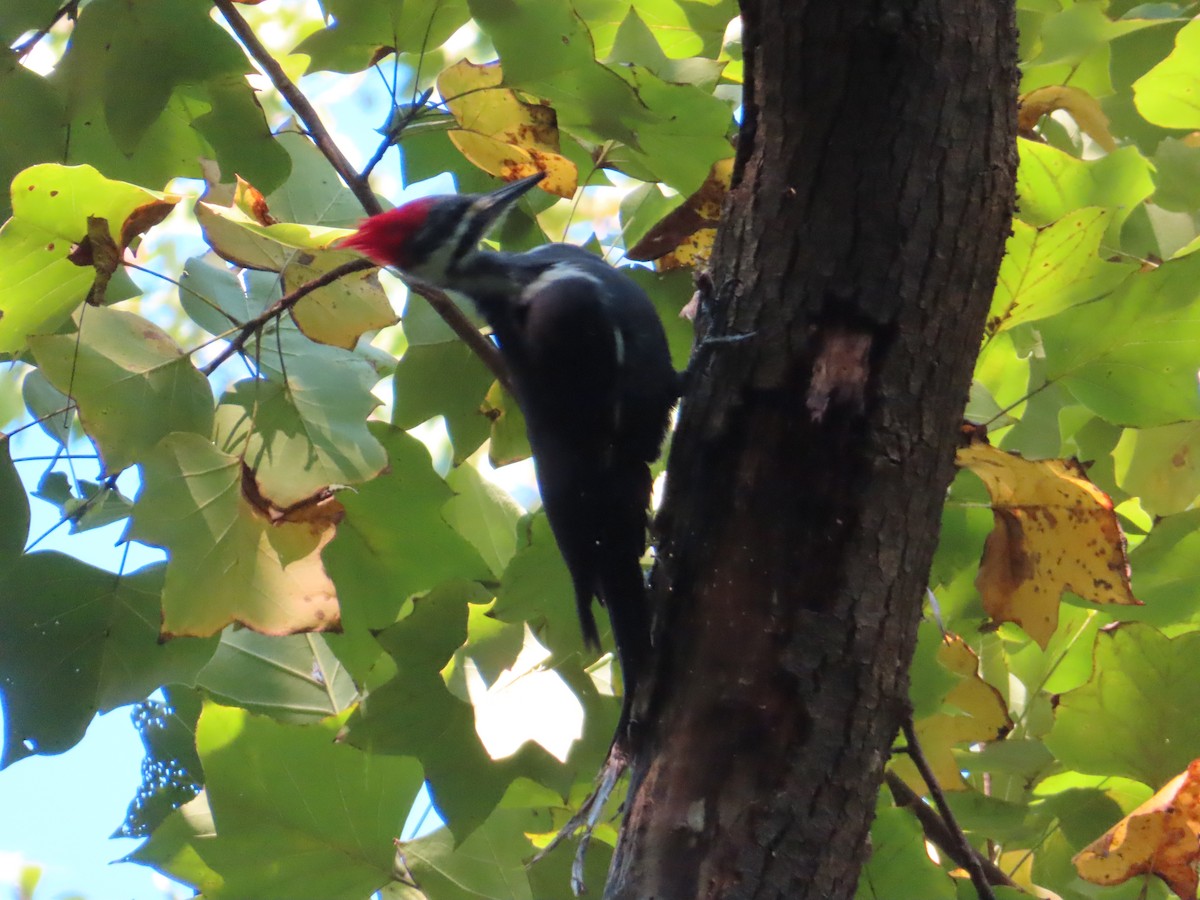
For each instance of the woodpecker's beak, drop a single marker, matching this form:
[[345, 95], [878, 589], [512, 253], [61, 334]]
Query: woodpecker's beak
[[492, 205]]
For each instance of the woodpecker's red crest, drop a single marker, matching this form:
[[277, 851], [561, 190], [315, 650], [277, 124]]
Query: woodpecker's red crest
[[429, 237], [387, 238]]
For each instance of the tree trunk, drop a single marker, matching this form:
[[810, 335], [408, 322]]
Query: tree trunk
[[860, 248]]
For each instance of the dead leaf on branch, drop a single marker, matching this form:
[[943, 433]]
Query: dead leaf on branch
[[1054, 531], [1081, 105], [1161, 837], [685, 235], [101, 251]]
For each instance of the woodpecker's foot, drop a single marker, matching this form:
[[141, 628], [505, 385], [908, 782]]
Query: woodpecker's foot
[[707, 343]]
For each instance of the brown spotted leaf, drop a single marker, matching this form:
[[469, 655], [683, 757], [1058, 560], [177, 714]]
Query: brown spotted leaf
[[685, 235], [501, 133], [1054, 531], [1161, 837]]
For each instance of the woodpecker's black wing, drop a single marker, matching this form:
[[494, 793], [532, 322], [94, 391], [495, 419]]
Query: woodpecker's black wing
[[593, 375]]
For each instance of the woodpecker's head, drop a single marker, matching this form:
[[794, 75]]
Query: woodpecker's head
[[428, 238]]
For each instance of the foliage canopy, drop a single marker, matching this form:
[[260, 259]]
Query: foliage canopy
[[352, 606]]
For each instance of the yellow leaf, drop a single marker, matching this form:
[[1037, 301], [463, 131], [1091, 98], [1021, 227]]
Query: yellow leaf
[[979, 714], [501, 133], [1079, 103], [1054, 531], [685, 235], [1162, 836]]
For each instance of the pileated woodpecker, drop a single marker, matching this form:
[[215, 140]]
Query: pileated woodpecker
[[591, 371]]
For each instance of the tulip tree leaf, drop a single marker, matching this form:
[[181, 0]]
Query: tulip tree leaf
[[232, 557], [293, 678], [132, 383], [1124, 721], [39, 285], [394, 540], [79, 640], [305, 435], [330, 815], [1130, 357]]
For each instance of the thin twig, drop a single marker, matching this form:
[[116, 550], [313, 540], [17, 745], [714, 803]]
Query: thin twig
[[298, 102], [394, 130], [965, 855], [936, 830], [451, 314], [70, 8], [282, 305]]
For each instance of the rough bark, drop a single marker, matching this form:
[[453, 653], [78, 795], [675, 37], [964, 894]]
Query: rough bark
[[860, 249]]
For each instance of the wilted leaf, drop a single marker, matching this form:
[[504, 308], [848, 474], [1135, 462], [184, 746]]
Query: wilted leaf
[[1054, 531], [685, 237], [233, 559], [1082, 106], [979, 714], [132, 383], [1161, 837], [501, 133]]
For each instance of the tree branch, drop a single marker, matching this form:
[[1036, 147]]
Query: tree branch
[[935, 829], [70, 8], [282, 305], [298, 102], [361, 188], [960, 848]]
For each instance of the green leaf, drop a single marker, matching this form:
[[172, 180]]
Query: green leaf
[[537, 589], [132, 383], [1131, 356], [98, 505], [485, 515], [329, 814], [301, 437], [416, 714], [488, 864], [291, 678], [120, 53], [213, 297], [176, 845], [446, 380], [34, 119], [230, 559], [1051, 184], [18, 18], [1177, 179], [14, 507], [899, 865], [1160, 466], [364, 31], [1046, 270], [1165, 577], [39, 286], [1126, 720], [78, 640], [1169, 94], [394, 541]]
